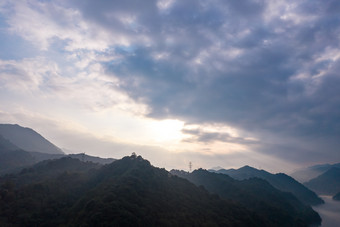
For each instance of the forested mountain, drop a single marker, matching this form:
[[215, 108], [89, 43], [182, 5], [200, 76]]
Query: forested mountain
[[6, 145], [13, 157], [52, 189], [281, 208], [327, 183], [28, 139], [280, 181], [88, 158], [127, 192]]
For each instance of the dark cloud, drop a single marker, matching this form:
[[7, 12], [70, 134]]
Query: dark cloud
[[198, 135], [232, 62]]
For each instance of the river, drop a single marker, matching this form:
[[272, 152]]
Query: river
[[329, 212]]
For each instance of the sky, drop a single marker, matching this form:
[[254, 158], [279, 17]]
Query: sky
[[215, 83]]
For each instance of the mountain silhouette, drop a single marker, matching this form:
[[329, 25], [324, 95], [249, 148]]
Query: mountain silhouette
[[337, 196], [27, 139], [327, 183], [306, 174], [280, 208], [280, 181], [16, 154], [127, 192], [12, 157]]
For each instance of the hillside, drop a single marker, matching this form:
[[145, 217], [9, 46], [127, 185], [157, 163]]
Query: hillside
[[337, 196], [327, 183], [306, 174], [28, 139], [88, 158], [127, 192], [12, 157], [282, 209], [280, 181]]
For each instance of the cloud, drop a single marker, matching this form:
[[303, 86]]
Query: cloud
[[266, 67], [199, 135], [213, 67], [76, 138]]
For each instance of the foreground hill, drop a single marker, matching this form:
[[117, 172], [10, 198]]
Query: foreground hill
[[127, 192], [282, 209], [327, 183], [28, 139], [280, 181]]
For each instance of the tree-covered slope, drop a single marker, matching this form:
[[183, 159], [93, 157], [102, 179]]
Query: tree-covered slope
[[280, 181], [280, 208], [12, 157], [128, 192]]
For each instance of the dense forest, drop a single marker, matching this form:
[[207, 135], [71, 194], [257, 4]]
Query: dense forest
[[281, 208], [128, 192], [280, 181], [131, 192]]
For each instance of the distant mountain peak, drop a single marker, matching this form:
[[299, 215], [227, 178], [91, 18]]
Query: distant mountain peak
[[28, 139], [327, 183], [246, 167]]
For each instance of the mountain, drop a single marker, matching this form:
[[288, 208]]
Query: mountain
[[327, 183], [12, 157], [306, 174], [127, 192], [337, 196], [28, 139], [87, 158], [47, 170], [281, 208], [6, 145], [22, 147], [12, 161], [280, 181]]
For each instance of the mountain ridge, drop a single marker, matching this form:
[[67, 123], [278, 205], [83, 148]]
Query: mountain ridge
[[327, 183], [306, 174], [280, 181], [28, 139], [256, 194], [127, 192]]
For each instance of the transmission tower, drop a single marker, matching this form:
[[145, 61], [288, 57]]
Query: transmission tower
[[190, 166]]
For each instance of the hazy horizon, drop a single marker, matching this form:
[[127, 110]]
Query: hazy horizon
[[212, 82]]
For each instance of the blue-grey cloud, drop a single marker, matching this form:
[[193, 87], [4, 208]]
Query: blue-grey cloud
[[270, 68], [228, 62], [201, 136]]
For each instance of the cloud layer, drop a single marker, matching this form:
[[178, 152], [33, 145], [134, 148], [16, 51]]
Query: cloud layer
[[268, 69]]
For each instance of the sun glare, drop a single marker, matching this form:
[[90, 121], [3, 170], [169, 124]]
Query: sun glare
[[167, 130]]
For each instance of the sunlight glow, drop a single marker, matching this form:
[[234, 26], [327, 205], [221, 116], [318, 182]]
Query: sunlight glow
[[167, 130]]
